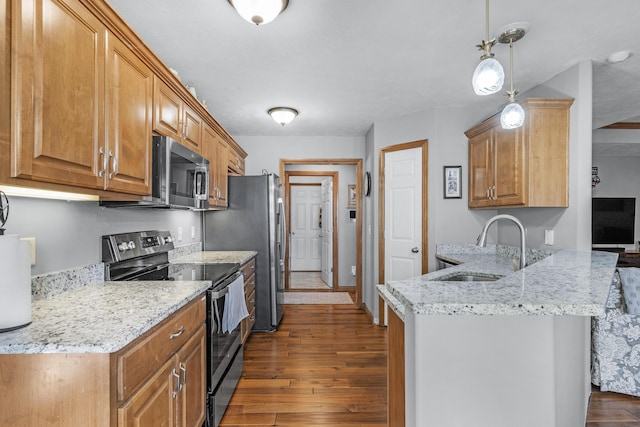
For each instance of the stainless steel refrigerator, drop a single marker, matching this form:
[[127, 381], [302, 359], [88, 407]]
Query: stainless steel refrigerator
[[254, 220]]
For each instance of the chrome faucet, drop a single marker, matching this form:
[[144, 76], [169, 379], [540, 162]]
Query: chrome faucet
[[482, 238]]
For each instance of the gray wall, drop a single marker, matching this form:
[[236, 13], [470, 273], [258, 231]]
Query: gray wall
[[346, 227], [68, 233]]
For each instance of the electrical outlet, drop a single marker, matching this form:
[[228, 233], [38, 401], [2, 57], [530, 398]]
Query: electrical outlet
[[193, 232], [353, 270], [32, 248], [179, 234], [548, 237]]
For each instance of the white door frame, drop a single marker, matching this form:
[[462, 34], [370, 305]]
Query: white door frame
[[359, 211], [425, 196]]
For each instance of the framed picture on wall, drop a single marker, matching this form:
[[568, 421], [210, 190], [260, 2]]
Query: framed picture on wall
[[351, 192], [452, 182]]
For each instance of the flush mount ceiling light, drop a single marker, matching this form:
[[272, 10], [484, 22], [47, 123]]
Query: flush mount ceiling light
[[620, 56], [512, 116], [488, 77], [283, 115], [259, 12]]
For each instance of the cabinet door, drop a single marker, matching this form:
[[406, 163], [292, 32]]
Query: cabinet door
[[222, 179], [509, 167], [192, 136], [209, 146], [57, 99], [128, 120], [396, 371], [167, 112], [480, 173], [154, 404], [193, 370]]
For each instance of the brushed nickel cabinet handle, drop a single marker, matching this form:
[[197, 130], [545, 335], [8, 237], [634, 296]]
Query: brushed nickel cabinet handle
[[105, 162], [178, 387], [177, 334], [114, 168], [184, 374]]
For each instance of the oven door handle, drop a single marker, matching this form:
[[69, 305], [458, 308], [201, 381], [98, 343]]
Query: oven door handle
[[215, 295]]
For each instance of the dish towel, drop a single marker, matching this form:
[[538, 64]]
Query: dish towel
[[235, 306]]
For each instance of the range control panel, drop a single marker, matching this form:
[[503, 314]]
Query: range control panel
[[119, 247]]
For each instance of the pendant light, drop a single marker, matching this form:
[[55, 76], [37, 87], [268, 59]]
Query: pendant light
[[488, 76], [512, 116], [283, 115], [259, 12]]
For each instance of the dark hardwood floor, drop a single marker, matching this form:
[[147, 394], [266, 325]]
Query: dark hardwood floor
[[326, 366]]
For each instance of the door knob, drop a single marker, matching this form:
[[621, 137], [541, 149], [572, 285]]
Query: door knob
[[415, 250]]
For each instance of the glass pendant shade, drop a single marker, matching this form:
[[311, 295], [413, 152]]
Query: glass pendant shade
[[283, 115], [259, 12], [488, 77], [512, 116]]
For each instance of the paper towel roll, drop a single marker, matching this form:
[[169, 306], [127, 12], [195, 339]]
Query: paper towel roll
[[15, 283]]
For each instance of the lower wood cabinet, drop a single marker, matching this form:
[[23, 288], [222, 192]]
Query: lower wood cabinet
[[175, 394], [249, 271], [157, 380]]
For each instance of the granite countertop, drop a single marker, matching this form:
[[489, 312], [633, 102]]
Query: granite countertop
[[99, 318], [565, 283], [216, 257]]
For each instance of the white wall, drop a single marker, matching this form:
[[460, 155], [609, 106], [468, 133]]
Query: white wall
[[346, 227], [265, 152], [68, 234]]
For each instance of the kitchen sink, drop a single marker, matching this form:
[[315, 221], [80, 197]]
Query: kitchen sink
[[471, 277]]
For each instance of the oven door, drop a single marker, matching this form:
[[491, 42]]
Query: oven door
[[222, 345]]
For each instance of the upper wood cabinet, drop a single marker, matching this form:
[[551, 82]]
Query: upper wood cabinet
[[524, 167], [216, 151], [85, 95], [66, 128], [174, 118], [58, 65], [236, 162], [128, 117]]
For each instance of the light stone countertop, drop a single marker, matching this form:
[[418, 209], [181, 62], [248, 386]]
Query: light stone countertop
[[565, 283], [99, 318], [216, 257]]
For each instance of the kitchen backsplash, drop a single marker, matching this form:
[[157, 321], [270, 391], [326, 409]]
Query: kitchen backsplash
[[51, 284]]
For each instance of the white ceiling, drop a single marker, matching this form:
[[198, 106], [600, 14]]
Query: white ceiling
[[345, 64]]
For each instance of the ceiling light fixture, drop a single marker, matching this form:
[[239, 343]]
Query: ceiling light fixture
[[488, 77], [619, 56], [283, 115], [259, 12], [512, 116]]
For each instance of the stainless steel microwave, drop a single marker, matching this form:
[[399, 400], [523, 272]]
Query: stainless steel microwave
[[180, 179]]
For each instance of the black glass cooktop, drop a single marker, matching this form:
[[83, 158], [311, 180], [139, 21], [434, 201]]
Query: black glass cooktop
[[213, 272]]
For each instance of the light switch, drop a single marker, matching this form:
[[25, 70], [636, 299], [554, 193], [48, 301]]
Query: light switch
[[179, 234], [193, 231], [548, 237]]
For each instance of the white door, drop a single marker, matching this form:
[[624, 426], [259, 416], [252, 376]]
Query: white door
[[403, 214], [306, 201], [327, 232]]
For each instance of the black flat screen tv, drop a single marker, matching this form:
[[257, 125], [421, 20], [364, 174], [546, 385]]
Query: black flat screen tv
[[613, 220]]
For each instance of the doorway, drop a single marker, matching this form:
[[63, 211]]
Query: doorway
[[311, 255], [356, 215], [403, 233]]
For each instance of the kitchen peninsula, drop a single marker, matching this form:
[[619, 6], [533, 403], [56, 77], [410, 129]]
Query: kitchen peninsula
[[511, 351]]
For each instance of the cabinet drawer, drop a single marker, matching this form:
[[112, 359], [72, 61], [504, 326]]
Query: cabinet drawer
[[141, 358], [248, 268], [249, 284], [250, 299]]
